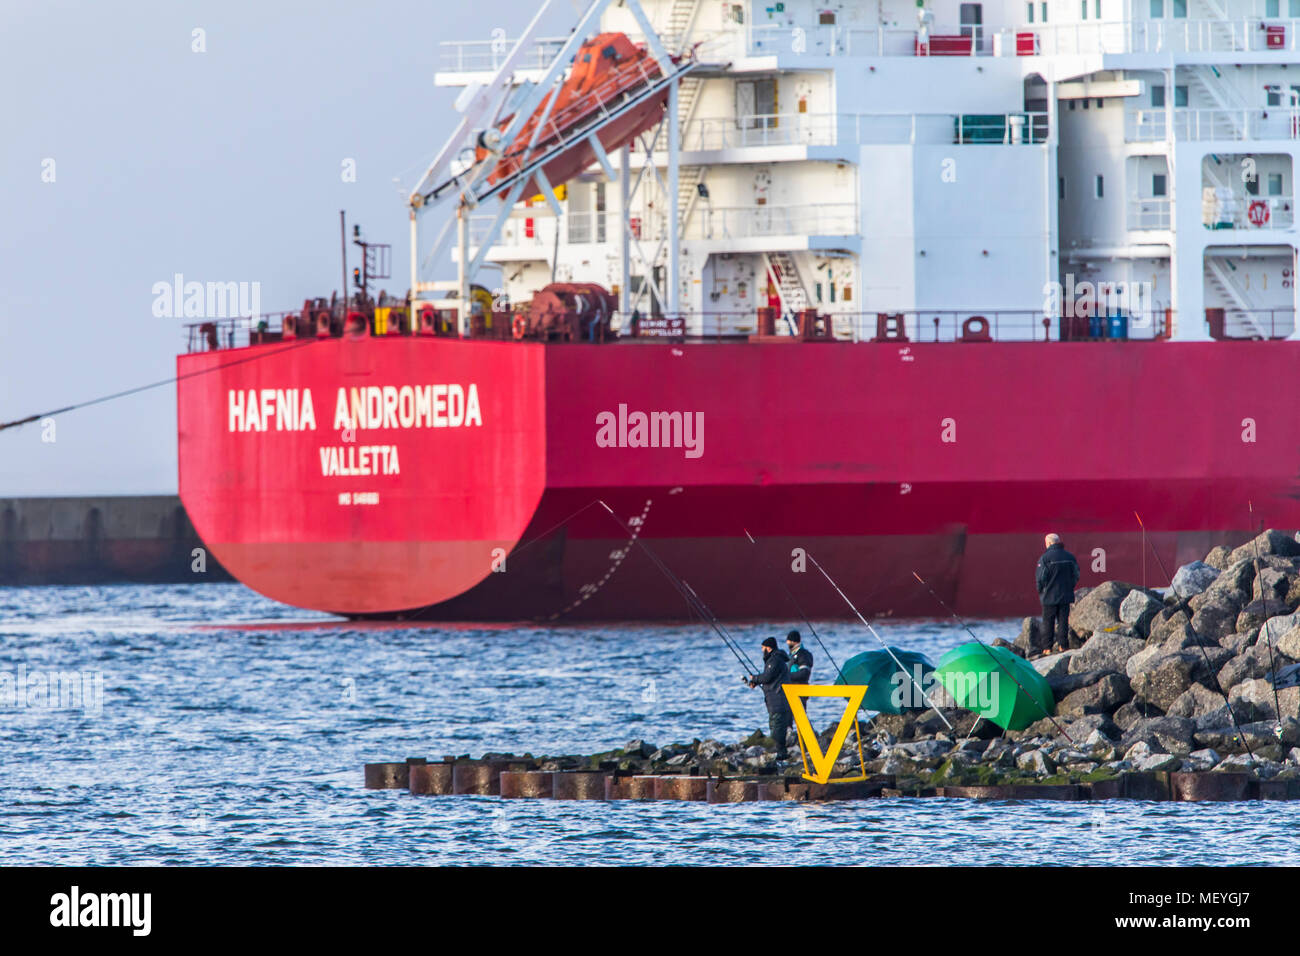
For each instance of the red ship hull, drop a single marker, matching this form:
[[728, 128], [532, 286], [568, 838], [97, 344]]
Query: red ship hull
[[949, 459]]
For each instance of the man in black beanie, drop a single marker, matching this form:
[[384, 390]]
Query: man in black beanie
[[801, 661], [772, 679]]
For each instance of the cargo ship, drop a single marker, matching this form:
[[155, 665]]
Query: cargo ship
[[899, 287]]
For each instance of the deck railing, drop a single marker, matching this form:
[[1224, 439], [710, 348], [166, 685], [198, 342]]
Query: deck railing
[[1149, 125], [902, 328]]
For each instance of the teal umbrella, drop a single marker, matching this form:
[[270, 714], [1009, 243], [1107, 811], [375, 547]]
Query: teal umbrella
[[889, 690], [996, 684]]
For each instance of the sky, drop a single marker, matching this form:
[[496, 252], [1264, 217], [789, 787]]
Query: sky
[[126, 157]]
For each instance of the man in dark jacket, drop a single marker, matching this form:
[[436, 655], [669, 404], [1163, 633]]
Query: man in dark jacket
[[772, 679], [801, 661], [1057, 575]]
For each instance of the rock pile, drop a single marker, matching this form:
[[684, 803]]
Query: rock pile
[[1141, 688]]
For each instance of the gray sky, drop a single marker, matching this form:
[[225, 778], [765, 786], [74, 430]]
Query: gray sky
[[223, 165]]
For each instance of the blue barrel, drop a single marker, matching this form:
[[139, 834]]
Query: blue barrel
[[1117, 326], [1094, 326]]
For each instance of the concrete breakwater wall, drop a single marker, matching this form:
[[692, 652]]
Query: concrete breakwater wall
[[89, 540], [521, 779]]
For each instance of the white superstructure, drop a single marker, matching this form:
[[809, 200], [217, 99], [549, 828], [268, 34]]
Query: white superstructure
[[932, 162]]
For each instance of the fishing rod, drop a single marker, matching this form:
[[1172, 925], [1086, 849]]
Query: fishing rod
[[716, 620], [1272, 663], [897, 663], [807, 622], [992, 656], [1183, 606], [688, 593]]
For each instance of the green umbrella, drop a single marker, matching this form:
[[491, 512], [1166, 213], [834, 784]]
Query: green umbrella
[[996, 684], [879, 672]]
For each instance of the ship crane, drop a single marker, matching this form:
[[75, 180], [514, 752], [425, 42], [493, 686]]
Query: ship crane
[[514, 137]]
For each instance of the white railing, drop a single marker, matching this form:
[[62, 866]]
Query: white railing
[[1243, 34], [591, 226], [1146, 126], [744, 222], [761, 129], [827, 129], [1148, 214], [473, 56], [1243, 211]]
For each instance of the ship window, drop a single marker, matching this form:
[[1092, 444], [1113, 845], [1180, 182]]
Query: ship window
[[1083, 9], [1159, 185], [826, 18], [1252, 185], [1293, 9], [1275, 184], [1060, 187], [1030, 8], [1157, 96], [1180, 96], [1101, 187], [1099, 101], [1157, 9], [1180, 8], [1096, 9], [1271, 8], [1273, 98], [1042, 9]]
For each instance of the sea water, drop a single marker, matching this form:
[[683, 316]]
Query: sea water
[[228, 729]]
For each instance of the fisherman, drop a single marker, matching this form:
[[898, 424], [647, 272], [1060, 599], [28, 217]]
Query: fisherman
[[774, 675], [1057, 575], [801, 661]]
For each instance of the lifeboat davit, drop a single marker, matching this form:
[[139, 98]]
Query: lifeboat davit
[[608, 71]]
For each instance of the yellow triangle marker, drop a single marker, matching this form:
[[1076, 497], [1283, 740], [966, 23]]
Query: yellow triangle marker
[[824, 763]]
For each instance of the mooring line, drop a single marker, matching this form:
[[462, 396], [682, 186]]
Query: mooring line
[[144, 388]]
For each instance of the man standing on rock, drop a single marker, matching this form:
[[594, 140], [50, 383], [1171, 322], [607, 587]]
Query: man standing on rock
[[772, 679], [1057, 575]]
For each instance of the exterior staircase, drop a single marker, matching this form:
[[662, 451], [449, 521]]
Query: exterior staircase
[[1220, 277], [676, 33], [789, 286]]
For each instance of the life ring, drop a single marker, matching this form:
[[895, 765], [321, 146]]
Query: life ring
[[519, 326], [1257, 213]]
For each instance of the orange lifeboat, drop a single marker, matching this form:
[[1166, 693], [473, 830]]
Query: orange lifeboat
[[608, 70]]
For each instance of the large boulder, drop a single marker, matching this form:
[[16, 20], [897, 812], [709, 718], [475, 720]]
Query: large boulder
[[1126, 715], [1267, 542], [1172, 735], [1255, 613], [1233, 585], [1274, 583], [1254, 662], [1138, 609], [1192, 579], [1257, 696], [1099, 609], [1289, 643], [1107, 652], [1069, 683], [1167, 622], [1053, 665], [1082, 728], [1141, 660], [1217, 616], [1218, 557], [1099, 698], [1275, 627], [1165, 679], [1028, 640], [1197, 701]]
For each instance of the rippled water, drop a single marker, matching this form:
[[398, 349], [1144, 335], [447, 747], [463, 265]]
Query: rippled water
[[233, 730]]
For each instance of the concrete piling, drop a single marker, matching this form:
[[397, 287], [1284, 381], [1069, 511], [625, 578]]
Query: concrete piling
[[681, 788], [578, 785], [517, 784]]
